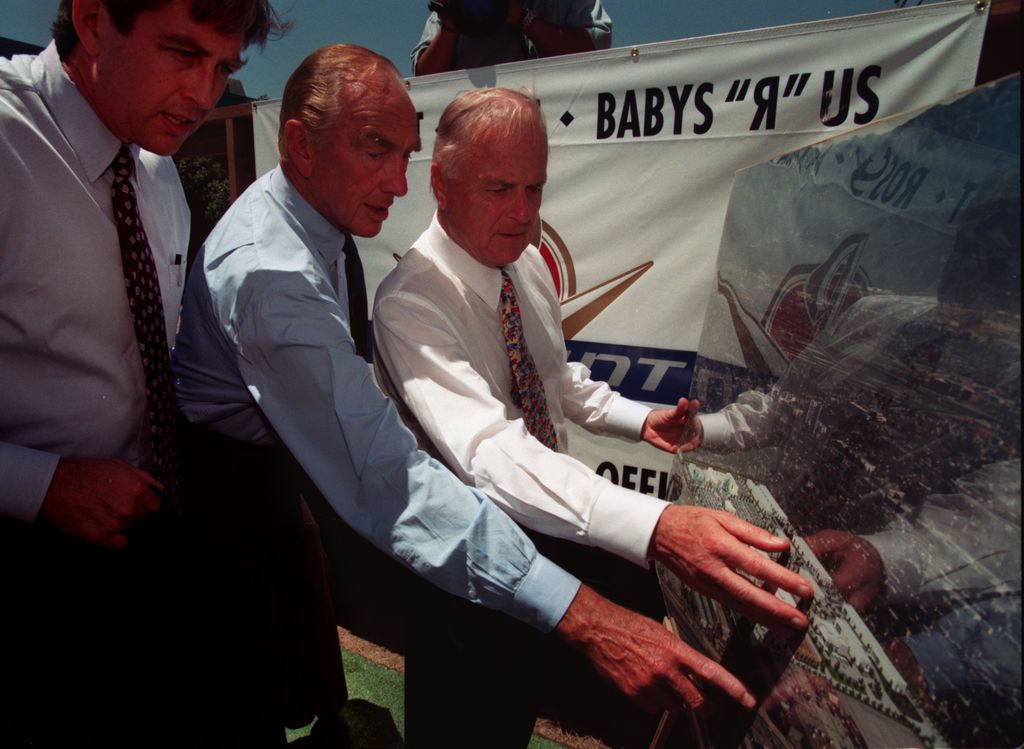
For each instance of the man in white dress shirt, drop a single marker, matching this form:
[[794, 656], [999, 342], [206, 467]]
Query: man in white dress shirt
[[441, 353]]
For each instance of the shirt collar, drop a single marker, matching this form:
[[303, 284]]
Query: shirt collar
[[483, 280], [326, 239], [93, 144]]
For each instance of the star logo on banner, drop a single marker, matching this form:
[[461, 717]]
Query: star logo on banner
[[580, 308]]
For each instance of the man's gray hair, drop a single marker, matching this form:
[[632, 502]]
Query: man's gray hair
[[484, 112], [325, 83]]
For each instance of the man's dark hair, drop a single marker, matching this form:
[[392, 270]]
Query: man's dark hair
[[256, 19]]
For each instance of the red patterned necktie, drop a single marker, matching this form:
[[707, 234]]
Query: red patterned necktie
[[143, 288], [527, 388]]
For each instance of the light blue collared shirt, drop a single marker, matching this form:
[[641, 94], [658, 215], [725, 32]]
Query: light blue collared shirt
[[264, 349]]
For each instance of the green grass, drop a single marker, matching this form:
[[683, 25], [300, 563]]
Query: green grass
[[384, 688]]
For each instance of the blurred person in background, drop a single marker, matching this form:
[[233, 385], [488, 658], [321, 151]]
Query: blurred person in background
[[462, 34]]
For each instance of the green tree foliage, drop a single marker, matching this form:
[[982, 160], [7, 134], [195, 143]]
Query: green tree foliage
[[206, 184]]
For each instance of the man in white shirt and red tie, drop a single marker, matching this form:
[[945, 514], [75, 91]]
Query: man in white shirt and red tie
[[468, 342]]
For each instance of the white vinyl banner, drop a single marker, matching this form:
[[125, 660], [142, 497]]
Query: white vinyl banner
[[644, 145]]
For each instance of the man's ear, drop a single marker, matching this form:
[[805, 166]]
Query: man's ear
[[298, 142], [437, 186], [91, 21]]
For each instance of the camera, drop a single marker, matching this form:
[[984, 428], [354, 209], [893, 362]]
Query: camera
[[476, 18]]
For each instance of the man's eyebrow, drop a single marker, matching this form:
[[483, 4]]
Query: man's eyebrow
[[489, 182], [370, 137], [373, 137], [187, 42]]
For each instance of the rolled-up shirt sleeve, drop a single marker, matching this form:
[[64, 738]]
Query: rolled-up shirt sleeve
[[590, 15], [431, 29]]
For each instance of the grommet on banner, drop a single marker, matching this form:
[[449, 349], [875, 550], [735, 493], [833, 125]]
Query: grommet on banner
[[408, 84], [980, 6]]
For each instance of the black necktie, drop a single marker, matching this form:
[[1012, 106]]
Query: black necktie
[[356, 286], [143, 288]]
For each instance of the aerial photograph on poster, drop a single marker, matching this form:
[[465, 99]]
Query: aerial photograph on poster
[[859, 380]]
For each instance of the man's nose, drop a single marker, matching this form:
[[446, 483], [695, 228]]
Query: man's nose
[[521, 208], [395, 182], [204, 87]]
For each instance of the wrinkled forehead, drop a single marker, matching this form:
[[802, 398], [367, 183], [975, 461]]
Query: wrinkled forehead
[[526, 140], [380, 102], [379, 92]]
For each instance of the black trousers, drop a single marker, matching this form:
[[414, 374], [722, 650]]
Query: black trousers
[[475, 677], [269, 639], [95, 644], [212, 629]]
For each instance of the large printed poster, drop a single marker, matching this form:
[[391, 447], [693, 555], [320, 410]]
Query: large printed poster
[[644, 146], [861, 363]]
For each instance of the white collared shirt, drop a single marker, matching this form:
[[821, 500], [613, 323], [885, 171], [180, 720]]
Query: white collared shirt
[[440, 351], [71, 380]]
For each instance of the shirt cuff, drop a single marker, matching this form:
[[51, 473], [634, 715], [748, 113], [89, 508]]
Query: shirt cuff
[[717, 430], [622, 522], [544, 595], [626, 418], [26, 477]]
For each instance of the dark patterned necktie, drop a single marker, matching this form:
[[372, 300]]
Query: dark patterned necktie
[[527, 388], [355, 283], [147, 309]]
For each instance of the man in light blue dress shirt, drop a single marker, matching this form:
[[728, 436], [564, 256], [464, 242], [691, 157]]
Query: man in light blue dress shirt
[[265, 356]]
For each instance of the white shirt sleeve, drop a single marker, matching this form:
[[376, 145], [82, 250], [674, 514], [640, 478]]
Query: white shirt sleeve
[[742, 425], [593, 405], [547, 491], [969, 540]]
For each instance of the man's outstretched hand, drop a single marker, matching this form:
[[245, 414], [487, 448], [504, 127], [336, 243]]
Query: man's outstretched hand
[[676, 428], [708, 548], [645, 661]]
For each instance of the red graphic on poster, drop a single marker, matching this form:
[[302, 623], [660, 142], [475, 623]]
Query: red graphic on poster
[[812, 297]]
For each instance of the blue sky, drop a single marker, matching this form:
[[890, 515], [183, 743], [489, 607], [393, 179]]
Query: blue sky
[[392, 27]]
